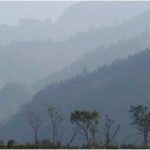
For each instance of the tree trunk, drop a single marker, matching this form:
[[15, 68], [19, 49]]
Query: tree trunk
[[35, 140]]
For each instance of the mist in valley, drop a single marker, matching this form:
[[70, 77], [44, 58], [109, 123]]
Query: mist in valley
[[88, 59]]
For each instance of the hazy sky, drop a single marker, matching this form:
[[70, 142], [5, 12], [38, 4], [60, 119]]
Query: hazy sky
[[12, 11]]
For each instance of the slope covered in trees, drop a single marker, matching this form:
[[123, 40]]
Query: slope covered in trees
[[110, 90], [99, 57]]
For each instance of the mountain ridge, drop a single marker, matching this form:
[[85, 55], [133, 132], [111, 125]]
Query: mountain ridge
[[128, 84]]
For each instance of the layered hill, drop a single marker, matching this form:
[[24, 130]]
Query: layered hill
[[86, 15], [28, 21], [98, 57], [32, 61], [13, 96], [78, 18], [110, 90], [25, 30], [103, 46]]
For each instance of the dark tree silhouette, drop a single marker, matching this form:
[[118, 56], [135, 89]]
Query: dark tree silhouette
[[87, 122], [10, 144], [141, 119], [75, 132], [35, 121], [56, 120], [109, 133]]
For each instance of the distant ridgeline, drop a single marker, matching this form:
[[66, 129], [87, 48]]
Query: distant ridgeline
[[110, 90], [97, 58]]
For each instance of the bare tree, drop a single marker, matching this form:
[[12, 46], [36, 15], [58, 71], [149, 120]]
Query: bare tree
[[109, 133], [35, 121], [56, 120], [75, 132]]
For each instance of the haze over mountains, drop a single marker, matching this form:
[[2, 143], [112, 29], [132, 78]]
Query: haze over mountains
[[82, 60], [71, 22], [109, 90], [30, 61], [12, 97], [88, 15], [16, 10], [131, 36], [37, 59]]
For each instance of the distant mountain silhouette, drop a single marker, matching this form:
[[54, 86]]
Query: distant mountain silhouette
[[99, 57], [12, 97], [25, 30], [92, 15], [111, 89], [33, 60], [80, 17]]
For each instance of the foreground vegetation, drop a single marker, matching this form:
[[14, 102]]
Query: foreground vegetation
[[46, 144], [85, 124]]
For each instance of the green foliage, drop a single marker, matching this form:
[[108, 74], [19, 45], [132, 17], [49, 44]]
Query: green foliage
[[141, 119], [87, 123], [141, 115], [84, 116]]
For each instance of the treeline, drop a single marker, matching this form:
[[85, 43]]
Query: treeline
[[85, 124]]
